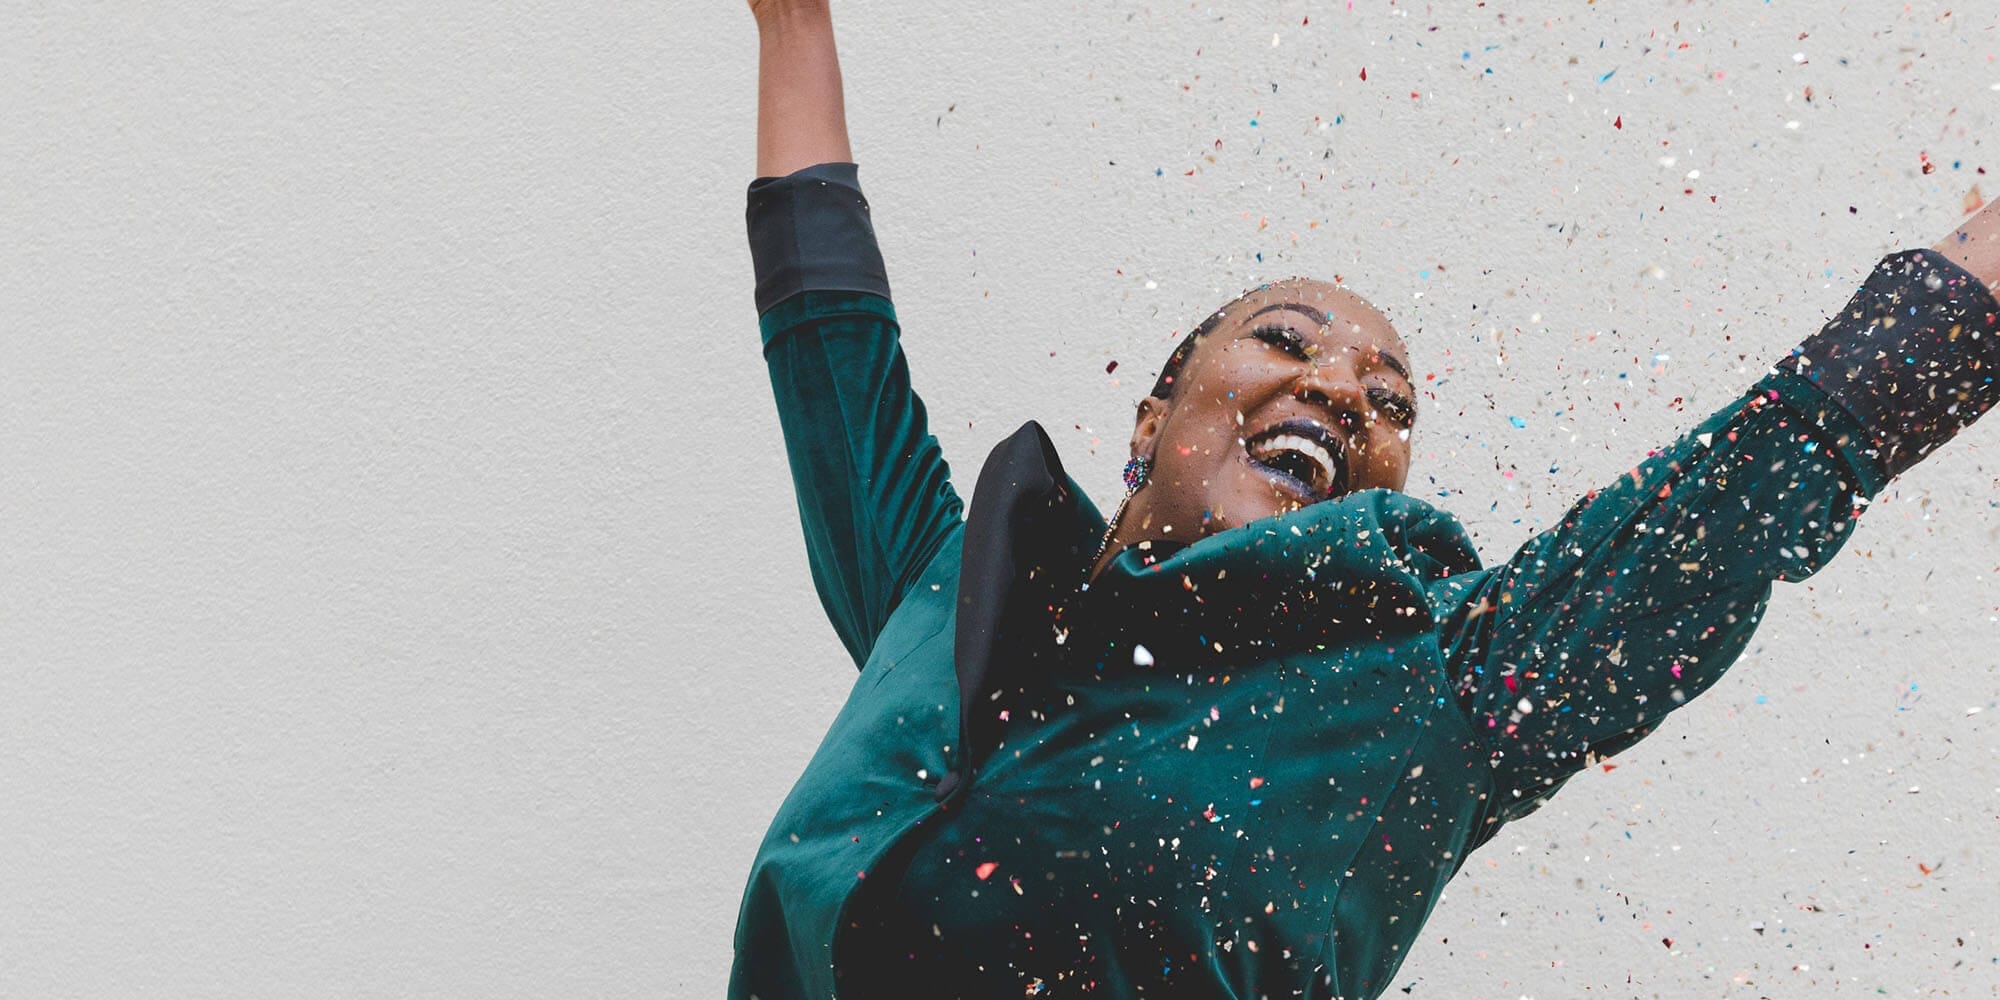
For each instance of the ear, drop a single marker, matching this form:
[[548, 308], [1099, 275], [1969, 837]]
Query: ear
[[1152, 419]]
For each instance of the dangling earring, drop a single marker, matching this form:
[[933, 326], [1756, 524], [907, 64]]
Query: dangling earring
[[1136, 471], [1135, 475]]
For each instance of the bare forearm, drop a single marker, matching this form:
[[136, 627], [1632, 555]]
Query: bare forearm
[[1975, 245], [801, 117]]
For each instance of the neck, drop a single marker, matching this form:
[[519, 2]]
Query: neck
[[1116, 536]]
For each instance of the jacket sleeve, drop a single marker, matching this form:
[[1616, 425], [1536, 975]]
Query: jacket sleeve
[[874, 492], [1649, 588]]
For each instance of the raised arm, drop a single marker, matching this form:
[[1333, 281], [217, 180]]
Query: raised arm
[[1650, 588], [801, 114], [874, 493]]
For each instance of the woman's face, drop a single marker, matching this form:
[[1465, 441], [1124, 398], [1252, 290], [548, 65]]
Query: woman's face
[[1302, 393]]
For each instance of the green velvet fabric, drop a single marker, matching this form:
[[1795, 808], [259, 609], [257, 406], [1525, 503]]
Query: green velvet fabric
[[1240, 767]]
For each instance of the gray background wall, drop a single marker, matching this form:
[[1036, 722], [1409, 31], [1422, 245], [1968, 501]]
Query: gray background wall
[[401, 591]]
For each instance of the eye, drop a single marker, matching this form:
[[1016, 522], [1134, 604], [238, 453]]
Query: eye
[[1284, 338], [1399, 407]]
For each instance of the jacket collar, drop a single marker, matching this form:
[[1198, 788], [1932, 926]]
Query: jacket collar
[[1352, 569], [1026, 538]]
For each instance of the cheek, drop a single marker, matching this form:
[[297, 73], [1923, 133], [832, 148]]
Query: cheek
[[1206, 432], [1388, 446]]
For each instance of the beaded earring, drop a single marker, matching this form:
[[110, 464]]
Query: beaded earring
[[1135, 475], [1136, 471]]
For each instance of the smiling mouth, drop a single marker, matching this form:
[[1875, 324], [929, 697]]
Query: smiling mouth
[[1302, 455]]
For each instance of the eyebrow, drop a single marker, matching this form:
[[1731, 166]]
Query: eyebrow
[[1298, 307], [1396, 364]]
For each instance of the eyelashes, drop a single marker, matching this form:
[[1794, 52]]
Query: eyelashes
[[1401, 409], [1284, 337]]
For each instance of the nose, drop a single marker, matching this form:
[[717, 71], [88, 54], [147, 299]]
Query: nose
[[1338, 392]]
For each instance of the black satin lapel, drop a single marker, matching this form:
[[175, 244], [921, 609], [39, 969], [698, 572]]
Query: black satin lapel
[[1021, 482]]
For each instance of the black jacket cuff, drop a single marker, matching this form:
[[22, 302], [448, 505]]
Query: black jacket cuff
[[1914, 357], [810, 231]]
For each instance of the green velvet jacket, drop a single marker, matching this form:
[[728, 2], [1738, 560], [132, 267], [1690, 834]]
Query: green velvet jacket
[[1245, 766]]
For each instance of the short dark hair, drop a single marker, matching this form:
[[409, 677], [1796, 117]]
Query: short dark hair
[[1163, 387]]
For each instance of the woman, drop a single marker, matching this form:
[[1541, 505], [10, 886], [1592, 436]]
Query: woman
[[1235, 741]]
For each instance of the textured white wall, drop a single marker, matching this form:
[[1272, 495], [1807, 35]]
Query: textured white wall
[[401, 591]]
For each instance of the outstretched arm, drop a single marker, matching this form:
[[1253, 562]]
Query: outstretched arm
[[801, 115], [1650, 588]]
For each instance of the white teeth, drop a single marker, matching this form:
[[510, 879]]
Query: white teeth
[[1304, 446]]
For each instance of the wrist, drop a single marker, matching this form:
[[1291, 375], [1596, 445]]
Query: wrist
[[779, 19], [1975, 246]]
